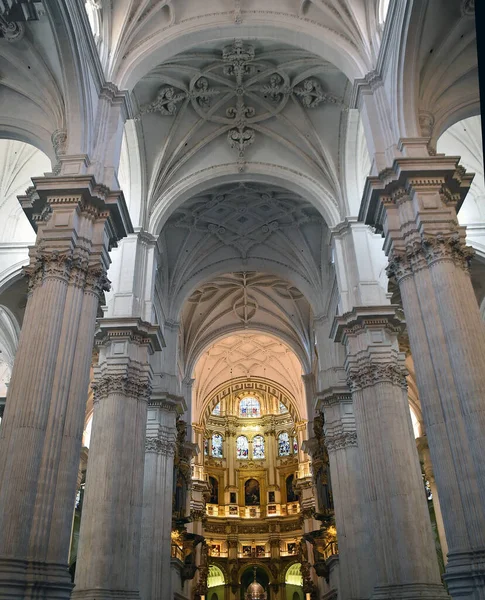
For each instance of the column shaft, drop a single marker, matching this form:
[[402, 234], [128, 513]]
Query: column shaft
[[415, 205], [351, 516], [41, 433], [402, 538], [109, 544], [155, 570]]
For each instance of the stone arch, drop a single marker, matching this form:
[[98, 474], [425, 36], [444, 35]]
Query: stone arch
[[272, 174], [168, 42]]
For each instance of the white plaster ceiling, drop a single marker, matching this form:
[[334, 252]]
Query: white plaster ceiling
[[241, 301], [241, 103], [243, 228], [248, 354]]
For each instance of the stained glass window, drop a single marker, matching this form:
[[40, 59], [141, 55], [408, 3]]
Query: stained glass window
[[295, 445], [283, 444], [206, 447], [242, 447], [249, 407], [217, 409], [258, 446], [217, 445], [283, 409]]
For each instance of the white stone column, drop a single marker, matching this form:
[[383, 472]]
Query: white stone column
[[155, 569], [109, 544], [77, 222], [352, 520], [402, 544], [414, 203]]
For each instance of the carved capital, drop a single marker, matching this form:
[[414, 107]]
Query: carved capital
[[428, 251], [341, 440], [371, 374], [133, 385], [164, 444]]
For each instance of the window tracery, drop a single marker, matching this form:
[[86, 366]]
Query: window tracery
[[242, 447], [258, 447], [249, 407], [217, 445], [283, 444]]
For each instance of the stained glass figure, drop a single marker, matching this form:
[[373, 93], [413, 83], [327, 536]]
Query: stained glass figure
[[283, 409], [242, 447], [283, 444], [217, 409], [249, 407], [295, 445], [206, 447], [217, 445], [258, 446]]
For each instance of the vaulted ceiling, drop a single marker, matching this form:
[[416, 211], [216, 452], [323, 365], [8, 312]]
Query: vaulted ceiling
[[243, 227], [248, 354]]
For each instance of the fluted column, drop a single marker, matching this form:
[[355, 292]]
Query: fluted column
[[352, 520], [155, 570], [423, 449], [402, 544], [414, 203], [109, 541], [40, 440]]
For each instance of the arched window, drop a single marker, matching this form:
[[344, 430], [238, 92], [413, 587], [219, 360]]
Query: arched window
[[217, 409], [242, 447], [258, 446], [283, 409], [295, 445], [283, 444], [249, 407], [206, 447], [217, 445]]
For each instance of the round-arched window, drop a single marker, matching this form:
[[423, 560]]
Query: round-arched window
[[249, 407], [283, 444], [217, 445], [242, 447], [258, 446]]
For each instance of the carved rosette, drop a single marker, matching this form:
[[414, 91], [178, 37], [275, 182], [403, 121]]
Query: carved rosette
[[134, 385], [427, 252], [370, 375], [341, 440]]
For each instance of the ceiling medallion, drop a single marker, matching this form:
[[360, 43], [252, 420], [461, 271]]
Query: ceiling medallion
[[239, 91]]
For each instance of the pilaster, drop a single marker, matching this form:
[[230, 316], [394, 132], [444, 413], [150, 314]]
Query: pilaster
[[109, 547], [77, 223], [391, 476]]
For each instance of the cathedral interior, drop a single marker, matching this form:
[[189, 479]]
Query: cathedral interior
[[242, 300]]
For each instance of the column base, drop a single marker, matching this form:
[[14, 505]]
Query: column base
[[104, 594], [412, 591], [465, 574], [22, 580]]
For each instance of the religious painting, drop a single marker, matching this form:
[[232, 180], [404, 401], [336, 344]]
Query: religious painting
[[272, 510], [251, 492], [215, 550], [271, 497], [214, 490], [232, 497], [233, 510], [292, 548], [246, 551], [260, 551], [290, 492]]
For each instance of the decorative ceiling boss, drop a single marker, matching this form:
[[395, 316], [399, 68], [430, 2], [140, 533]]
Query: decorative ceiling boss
[[239, 91]]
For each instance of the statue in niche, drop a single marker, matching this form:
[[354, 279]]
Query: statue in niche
[[251, 492], [214, 490]]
